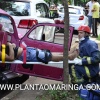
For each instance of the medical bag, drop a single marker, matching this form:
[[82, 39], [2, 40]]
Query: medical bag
[[90, 94]]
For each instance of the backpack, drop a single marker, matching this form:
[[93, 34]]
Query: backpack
[[87, 94]]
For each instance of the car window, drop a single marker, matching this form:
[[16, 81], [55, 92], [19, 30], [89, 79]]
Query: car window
[[36, 33], [48, 34], [16, 8], [6, 23], [42, 10], [45, 33]]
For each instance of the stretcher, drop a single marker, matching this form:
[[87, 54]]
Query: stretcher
[[51, 63]]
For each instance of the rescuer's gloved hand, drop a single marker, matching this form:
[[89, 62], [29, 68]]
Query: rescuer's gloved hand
[[78, 61]]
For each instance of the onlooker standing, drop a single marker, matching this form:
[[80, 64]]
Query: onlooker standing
[[95, 16], [89, 5]]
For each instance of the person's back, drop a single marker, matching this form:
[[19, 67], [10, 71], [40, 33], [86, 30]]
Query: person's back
[[96, 12], [90, 4]]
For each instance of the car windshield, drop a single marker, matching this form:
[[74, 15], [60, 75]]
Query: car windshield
[[16, 8], [71, 10]]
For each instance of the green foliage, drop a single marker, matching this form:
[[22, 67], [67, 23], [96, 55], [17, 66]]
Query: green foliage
[[77, 2], [59, 95], [54, 1], [98, 37], [5, 6]]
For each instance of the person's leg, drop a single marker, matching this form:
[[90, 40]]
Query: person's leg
[[96, 20], [45, 56], [90, 21], [76, 76], [57, 57], [93, 27]]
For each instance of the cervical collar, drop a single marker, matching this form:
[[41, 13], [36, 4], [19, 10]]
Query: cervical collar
[[82, 39]]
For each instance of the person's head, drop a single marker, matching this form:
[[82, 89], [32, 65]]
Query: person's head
[[83, 31]]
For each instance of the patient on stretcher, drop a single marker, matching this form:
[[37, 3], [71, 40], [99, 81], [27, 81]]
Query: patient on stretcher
[[32, 54]]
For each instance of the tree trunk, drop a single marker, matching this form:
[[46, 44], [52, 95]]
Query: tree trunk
[[66, 38]]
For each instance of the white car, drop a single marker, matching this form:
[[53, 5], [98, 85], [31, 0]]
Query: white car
[[34, 10], [77, 16]]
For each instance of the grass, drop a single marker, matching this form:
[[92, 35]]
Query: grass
[[98, 37], [59, 95]]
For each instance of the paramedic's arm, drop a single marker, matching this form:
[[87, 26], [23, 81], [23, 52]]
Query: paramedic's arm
[[10, 57], [95, 56]]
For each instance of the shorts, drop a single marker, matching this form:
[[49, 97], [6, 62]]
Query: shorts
[[31, 55]]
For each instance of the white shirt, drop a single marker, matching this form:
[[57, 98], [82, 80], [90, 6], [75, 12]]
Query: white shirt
[[90, 4]]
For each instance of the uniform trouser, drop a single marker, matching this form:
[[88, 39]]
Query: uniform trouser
[[79, 74], [94, 27]]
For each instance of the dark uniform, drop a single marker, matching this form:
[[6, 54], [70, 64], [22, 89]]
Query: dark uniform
[[89, 53]]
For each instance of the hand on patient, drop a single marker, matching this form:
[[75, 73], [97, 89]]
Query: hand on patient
[[78, 61]]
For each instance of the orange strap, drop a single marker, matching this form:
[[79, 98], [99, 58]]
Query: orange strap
[[24, 52]]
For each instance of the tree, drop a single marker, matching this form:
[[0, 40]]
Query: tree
[[5, 5], [66, 35]]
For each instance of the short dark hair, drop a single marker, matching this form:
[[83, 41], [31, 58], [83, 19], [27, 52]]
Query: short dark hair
[[95, 0]]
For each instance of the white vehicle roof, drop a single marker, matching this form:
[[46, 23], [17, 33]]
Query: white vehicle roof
[[35, 1], [77, 7]]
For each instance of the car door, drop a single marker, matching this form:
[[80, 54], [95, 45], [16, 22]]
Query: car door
[[45, 36]]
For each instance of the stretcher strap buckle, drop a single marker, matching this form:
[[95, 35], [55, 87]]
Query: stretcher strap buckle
[[3, 53]]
